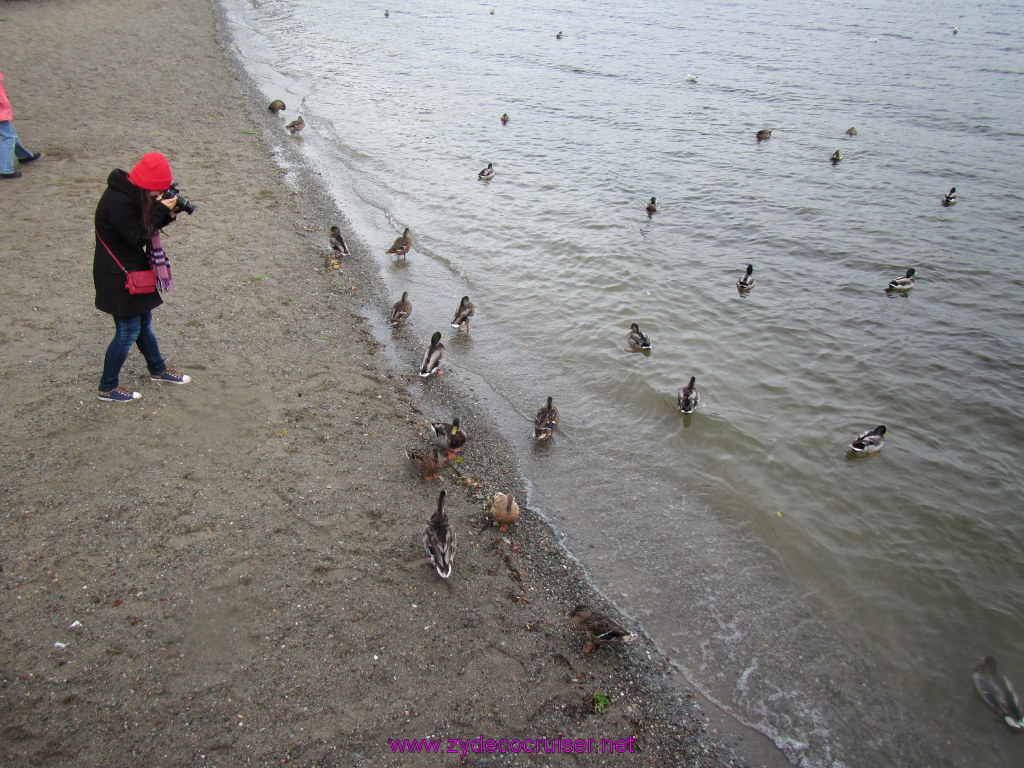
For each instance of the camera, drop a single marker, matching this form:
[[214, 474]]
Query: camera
[[182, 203]]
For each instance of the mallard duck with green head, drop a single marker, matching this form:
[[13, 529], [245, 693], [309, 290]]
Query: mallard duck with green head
[[652, 206], [487, 173], [746, 281], [870, 442], [997, 691], [903, 284], [439, 540], [451, 437], [637, 338]]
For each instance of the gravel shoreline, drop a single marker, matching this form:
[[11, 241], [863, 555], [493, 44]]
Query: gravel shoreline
[[231, 572]]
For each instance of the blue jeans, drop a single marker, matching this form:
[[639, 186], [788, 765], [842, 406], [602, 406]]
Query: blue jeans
[[10, 146], [135, 329]]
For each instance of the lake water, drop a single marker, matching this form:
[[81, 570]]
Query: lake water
[[837, 605]]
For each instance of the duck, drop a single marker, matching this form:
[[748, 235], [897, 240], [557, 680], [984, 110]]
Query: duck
[[746, 281], [439, 540], [870, 442], [851, 131], [904, 283], [997, 691], [545, 421], [487, 173], [276, 106], [463, 314], [688, 397], [449, 436], [504, 510], [637, 338], [956, 31], [652, 206], [690, 78], [558, 36], [401, 310], [949, 198], [504, 118], [433, 356], [387, 14], [764, 134], [296, 125], [836, 157], [402, 244], [338, 242], [598, 628], [429, 461]]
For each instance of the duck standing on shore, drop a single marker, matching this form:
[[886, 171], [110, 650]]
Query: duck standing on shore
[[949, 198], [637, 338], [545, 421], [504, 510], [870, 442], [433, 356], [746, 281], [402, 244], [296, 125], [487, 173], [449, 436], [903, 284], [439, 540], [338, 246], [276, 106], [997, 691], [429, 461], [402, 309], [652, 207], [688, 397], [597, 628], [463, 314]]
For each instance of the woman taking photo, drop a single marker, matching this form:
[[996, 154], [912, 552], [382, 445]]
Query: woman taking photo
[[128, 218]]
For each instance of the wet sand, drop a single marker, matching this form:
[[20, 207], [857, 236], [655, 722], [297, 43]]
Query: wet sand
[[230, 572]]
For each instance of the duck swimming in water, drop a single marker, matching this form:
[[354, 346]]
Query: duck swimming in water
[[949, 198], [851, 131], [545, 421], [487, 173], [637, 338], [439, 540], [836, 157], [688, 397], [997, 691], [870, 442], [746, 281], [763, 135], [652, 206], [904, 283], [504, 118], [433, 356]]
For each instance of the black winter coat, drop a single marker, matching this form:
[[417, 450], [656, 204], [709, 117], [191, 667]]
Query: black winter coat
[[117, 222]]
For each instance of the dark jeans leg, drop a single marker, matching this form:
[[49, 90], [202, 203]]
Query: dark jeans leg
[[148, 346], [135, 329]]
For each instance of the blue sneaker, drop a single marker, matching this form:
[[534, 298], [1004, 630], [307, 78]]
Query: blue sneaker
[[171, 376], [119, 395]]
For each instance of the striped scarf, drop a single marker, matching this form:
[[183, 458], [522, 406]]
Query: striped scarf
[[160, 263]]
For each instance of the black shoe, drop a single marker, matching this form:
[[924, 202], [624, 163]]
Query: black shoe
[[15, 175], [35, 156]]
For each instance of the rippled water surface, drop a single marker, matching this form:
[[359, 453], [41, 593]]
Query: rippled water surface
[[838, 605]]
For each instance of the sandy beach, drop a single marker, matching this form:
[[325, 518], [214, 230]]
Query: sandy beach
[[230, 572]]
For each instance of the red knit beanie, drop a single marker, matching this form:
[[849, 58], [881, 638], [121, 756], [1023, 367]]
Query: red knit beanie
[[152, 172]]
